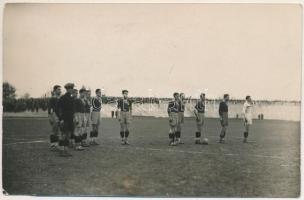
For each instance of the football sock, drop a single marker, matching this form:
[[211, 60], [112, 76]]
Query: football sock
[[174, 136], [198, 134], [222, 135], [127, 134], [54, 138], [65, 142], [121, 134], [61, 143], [84, 136], [178, 134], [245, 134], [78, 139]]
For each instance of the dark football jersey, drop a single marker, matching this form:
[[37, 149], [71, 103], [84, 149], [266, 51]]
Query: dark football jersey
[[87, 105], [96, 104], [79, 106], [53, 105], [173, 106], [66, 106], [182, 106], [223, 108], [200, 106], [124, 105]]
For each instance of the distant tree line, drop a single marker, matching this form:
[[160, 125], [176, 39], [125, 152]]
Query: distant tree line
[[26, 103]]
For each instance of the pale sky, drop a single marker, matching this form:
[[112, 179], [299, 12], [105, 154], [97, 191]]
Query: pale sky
[[238, 49]]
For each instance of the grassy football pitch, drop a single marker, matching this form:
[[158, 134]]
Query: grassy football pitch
[[268, 166]]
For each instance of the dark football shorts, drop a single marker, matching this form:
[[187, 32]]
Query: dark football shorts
[[68, 125], [224, 119]]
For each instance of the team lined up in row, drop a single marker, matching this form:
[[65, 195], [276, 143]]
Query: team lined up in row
[[76, 114], [176, 110], [75, 118]]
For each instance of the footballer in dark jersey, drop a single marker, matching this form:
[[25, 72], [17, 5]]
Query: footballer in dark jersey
[[53, 113], [173, 110], [124, 108], [223, 113], [95, 116]]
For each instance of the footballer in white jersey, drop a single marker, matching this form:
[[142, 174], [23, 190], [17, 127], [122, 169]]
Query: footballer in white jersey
[[247, 116]]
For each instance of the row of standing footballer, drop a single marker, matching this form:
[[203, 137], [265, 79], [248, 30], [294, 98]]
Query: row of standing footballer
[[75, 118], [176, 110]]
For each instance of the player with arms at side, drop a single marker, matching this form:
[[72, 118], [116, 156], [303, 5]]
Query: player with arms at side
[[173, 110], [87, 118], [124, 111], [53, 113], [79, 107], [199, 112], [181, 116], [72, 138], [66, 116], [95, 116], [247, 116], [223, 112]]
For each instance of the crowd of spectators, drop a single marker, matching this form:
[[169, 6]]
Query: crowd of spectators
[[41, 104]]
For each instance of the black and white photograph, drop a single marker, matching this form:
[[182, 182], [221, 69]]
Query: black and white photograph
[[154, 100]]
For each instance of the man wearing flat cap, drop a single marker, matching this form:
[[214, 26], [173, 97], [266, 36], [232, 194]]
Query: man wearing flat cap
[[66, 115]]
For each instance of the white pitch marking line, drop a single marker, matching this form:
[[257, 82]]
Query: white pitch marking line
[[8, 138], [28, 142], [21, 139]]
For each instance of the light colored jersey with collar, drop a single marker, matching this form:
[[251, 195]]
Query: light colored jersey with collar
[[247, 110]]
